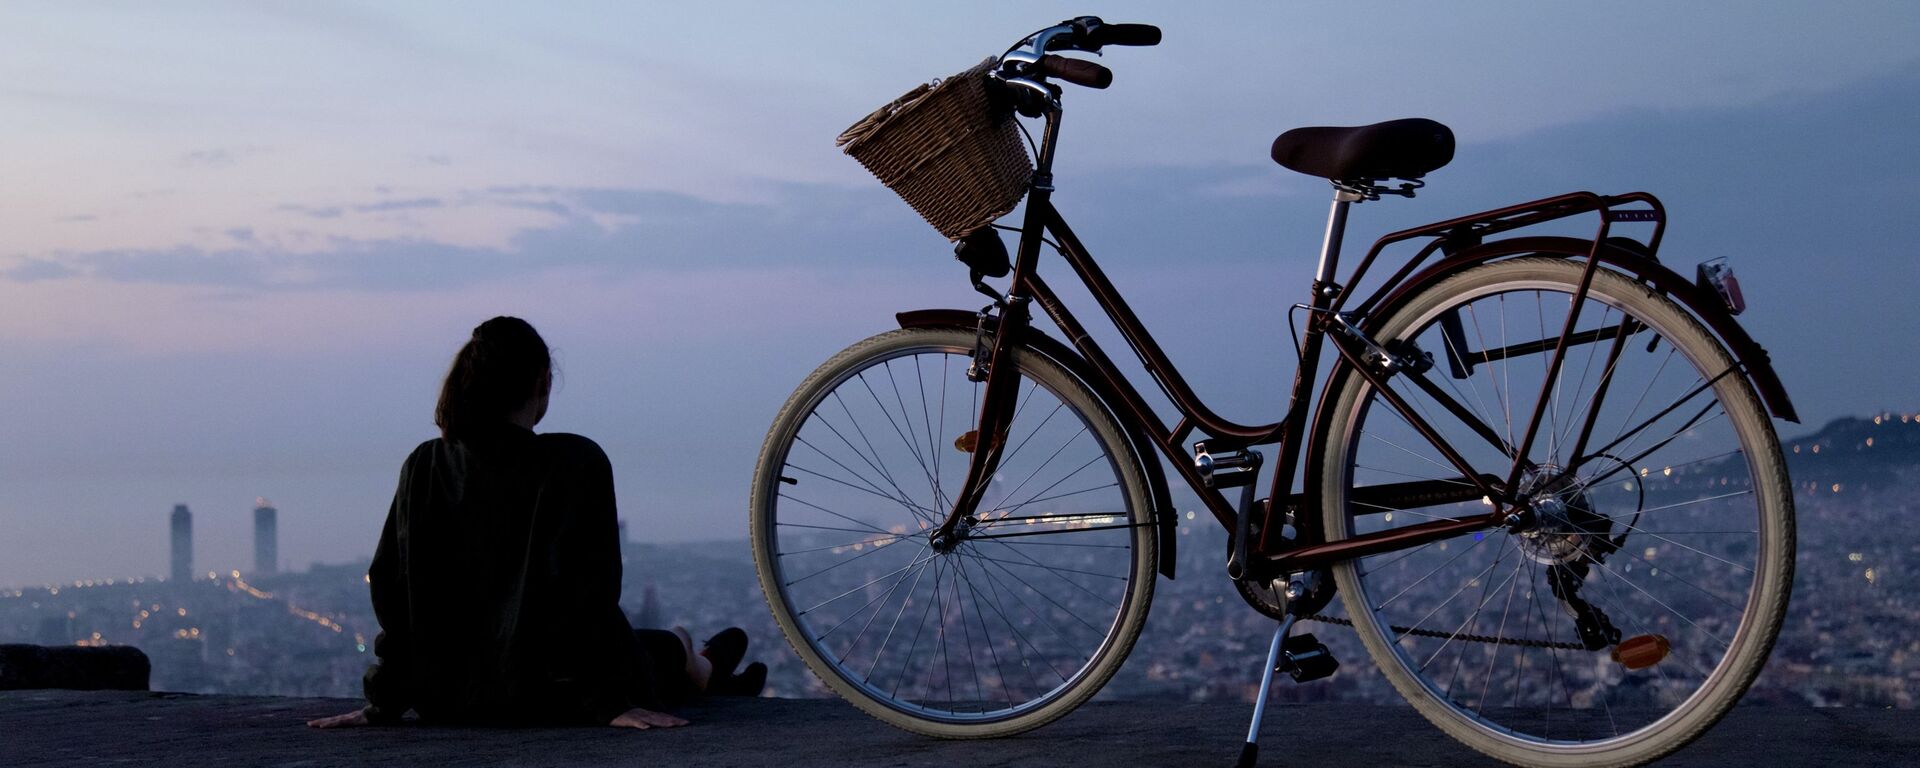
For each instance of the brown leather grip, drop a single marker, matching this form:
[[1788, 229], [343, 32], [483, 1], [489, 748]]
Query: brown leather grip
[[1076, 71]]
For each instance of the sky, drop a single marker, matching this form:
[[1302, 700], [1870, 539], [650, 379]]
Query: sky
[[240, 242]]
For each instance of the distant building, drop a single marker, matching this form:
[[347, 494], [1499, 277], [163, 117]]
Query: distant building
[[266, 537], [623, 541], [649, 616], [182, 544]]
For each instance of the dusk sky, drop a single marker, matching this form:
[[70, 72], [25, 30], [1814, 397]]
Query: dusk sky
[[240, 242]]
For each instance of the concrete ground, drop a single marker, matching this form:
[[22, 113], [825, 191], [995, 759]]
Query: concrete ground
[[73, 728]]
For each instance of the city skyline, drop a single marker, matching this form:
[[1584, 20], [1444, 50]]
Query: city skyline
[[1799, 446], [1847, 641]]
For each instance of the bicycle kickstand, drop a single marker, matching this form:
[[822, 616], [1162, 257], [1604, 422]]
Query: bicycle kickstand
[[1250, 752]]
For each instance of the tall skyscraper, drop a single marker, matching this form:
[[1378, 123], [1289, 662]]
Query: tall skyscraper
[[182, 544], [649, 616], [623, 541], [266, 537]]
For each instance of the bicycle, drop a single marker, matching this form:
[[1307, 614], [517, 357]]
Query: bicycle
[[1590, 576]]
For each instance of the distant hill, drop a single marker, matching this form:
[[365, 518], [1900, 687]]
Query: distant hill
[[1849, 455], [1862, 453]]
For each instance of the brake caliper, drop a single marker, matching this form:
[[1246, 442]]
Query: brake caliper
[[982, 349]]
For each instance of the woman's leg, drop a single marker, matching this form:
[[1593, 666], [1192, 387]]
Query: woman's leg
[[699, 668], [666, 668]]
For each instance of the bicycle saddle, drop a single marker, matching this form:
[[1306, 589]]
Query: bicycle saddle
[[1396, 149]]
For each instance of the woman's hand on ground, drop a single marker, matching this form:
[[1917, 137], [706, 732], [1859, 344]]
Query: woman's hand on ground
[[643, 719], [352, 719]]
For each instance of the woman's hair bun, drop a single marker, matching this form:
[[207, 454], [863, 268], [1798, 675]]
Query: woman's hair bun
[[495, 373]]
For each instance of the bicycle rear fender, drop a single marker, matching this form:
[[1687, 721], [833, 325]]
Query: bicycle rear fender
[[1144, 450], [1634, 263]]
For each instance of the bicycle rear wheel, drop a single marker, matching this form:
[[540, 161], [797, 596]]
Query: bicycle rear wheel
[[1028, 616], [1642, 597]]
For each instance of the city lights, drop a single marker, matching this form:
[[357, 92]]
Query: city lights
[[313, 631]]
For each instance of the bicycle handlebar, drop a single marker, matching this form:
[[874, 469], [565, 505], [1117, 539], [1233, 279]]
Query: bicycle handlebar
[[1076, 71], [1085, 33], [1124, 34]]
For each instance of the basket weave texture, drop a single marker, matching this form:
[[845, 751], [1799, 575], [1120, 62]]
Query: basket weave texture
[[948, 151]]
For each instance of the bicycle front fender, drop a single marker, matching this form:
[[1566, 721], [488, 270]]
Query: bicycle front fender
[[1144, 452], [1707, 307]]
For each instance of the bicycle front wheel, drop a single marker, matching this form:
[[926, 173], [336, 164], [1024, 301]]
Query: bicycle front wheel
[[1041, 600], [1640, 595]]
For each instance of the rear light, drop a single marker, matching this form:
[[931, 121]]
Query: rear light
[[1717, 276]]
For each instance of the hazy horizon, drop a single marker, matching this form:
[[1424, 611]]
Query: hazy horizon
[[239, 243]]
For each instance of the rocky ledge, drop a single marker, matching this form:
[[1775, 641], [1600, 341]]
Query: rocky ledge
[[71, 728]]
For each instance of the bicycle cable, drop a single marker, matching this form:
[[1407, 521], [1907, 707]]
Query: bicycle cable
[[1032, 146]]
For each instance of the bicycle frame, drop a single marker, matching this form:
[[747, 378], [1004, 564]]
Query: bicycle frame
[[1456, 238]]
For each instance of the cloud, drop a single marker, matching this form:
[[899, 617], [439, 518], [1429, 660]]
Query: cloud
[[1705, 163], [216, 157], [617, 231], [335, 211], [318, 212], [34, 270], [399, 205]]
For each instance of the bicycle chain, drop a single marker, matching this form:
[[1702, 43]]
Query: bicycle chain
[[1469, 638]]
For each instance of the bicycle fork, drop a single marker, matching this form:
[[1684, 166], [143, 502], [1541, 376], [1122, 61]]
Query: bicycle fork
[[997, 405]]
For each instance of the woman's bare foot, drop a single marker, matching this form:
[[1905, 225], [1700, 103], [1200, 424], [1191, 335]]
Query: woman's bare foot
[[699, 669]]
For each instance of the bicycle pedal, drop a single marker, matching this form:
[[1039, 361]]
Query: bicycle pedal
[[1306, 659]]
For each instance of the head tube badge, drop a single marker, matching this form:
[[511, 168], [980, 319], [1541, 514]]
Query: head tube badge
[[1716, 275]]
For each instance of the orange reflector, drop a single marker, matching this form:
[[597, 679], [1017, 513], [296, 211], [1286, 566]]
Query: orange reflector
[[1641, 651], [967, 442]]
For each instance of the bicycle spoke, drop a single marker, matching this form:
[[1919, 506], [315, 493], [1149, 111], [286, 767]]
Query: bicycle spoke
[[919, 627], [842, 563], [880, 542], [878, 465], [901, 571], [864, 481], [895, 625], [912, 437], [1043, 465], [1499, 396], [875, 463], [897, 431], [1056, 569], [1501, 632], [1429, 575], [1486, 589], [1456, 592], [870, 526], [999, 610], [1057, 496]]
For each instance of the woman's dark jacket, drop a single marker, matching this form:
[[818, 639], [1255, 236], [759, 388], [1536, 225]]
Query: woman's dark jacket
[[497, 585]]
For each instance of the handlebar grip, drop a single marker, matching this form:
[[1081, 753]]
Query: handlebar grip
[[1076, 71], [1126, 34]]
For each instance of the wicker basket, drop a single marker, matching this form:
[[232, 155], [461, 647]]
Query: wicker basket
[[947, 151]]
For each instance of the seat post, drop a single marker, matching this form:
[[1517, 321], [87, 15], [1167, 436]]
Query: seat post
[[1336, 231]]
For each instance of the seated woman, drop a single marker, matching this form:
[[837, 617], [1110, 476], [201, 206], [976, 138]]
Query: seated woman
[[497, 577]]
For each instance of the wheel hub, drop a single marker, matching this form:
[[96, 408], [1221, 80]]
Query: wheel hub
[[1559, 525], [944, 544]]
